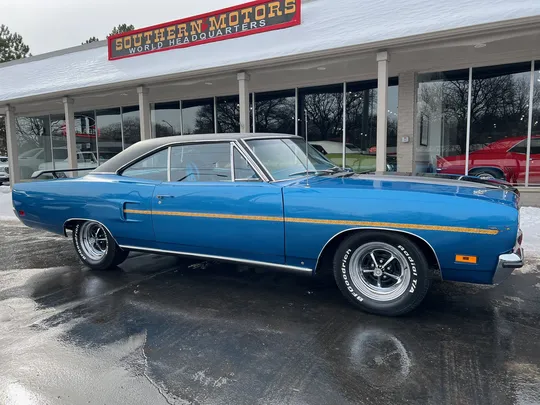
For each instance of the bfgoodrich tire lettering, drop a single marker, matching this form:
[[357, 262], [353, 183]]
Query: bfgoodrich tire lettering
[[381, 272], [95, 246]]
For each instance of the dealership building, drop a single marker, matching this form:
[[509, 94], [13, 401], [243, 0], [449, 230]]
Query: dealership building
[[395, 85]]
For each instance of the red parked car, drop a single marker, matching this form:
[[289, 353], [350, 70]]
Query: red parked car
[[504, 159]]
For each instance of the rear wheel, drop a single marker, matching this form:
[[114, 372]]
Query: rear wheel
[[487, 174], [96, 247], [381, 272]]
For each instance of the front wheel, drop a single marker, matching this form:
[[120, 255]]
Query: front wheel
[[382, 273], [95, 246]]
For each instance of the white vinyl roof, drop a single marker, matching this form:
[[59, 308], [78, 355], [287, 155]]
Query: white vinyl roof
[[326, 24]]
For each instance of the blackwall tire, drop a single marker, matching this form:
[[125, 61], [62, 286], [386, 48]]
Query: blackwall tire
[[95, 246], [381, 272]]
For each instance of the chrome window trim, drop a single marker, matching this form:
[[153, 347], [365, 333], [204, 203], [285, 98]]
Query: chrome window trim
[[231, 153], [301, 270], [167, 145], [262, 175], [169, 149], [254, 156], [371, 228]]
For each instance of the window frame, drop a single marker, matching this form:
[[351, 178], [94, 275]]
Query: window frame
[[233, 145]]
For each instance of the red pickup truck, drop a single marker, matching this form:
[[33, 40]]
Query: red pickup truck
[[503, 159]]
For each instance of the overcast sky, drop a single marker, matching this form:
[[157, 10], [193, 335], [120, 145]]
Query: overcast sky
[[48, 25]]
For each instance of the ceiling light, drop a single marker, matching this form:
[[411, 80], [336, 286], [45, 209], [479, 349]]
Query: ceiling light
[[480, 45], [208, 83], [124, 94], [321, 68]]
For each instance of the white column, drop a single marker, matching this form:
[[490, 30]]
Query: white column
[[69, 113], [144, 113], [406, 154], [243, 91], [12, 146], [382, 108]]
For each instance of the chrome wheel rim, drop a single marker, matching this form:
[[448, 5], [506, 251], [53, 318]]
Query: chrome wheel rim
[[486, 176], [380, 271], [93, 240]]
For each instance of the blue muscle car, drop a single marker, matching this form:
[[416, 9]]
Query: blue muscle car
[[258, 199]]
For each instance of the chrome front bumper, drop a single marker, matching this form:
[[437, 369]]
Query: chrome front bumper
[[507, 263]]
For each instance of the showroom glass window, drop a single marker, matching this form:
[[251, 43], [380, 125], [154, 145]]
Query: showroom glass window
[[228, 114], [534, 169], [86, 138], [361, 128], [274, 112], [35, 147], [320, 116], [198, 116], [109, 130], [166, 119], [131, 125], [59, 141], [499, 120], [441, 124]]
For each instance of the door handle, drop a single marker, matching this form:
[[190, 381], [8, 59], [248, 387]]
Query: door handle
[[162, 196]]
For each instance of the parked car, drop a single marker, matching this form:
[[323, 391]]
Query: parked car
[[257, 199], [4, 170], [30, 160], [503, 159], [355, 158]]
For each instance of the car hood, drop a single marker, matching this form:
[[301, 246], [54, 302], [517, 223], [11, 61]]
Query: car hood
[[460, 186]]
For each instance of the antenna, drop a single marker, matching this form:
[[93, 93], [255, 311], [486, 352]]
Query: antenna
[[307, 146]]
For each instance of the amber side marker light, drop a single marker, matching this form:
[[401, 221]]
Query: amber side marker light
[[466, 259]]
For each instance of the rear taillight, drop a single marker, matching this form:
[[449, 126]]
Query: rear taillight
[[21, 213]]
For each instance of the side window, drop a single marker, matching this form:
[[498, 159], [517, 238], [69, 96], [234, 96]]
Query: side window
[[535, 146], [205, 162], [242, 169], [520, 147], [153, 167]]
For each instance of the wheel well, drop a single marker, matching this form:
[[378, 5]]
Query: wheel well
[[70, 224], [326, 258], [494, 169]]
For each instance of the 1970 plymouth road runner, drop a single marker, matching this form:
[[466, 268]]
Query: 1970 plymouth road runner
[[258, 199]]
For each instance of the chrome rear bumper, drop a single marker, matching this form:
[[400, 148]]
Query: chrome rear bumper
[[507, 263]]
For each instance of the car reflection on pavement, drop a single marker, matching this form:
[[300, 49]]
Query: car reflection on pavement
[[163, 330]]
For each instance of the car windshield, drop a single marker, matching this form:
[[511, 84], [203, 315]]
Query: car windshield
[[285, 158]]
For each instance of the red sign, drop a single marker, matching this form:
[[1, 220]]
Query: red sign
[[245, 19]]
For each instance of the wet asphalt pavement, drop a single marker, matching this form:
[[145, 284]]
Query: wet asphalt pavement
[[160, 330]]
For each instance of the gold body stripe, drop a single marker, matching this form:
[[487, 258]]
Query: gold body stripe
[[319, 221]]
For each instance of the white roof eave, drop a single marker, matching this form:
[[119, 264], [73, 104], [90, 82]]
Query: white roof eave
[[86, 70]]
